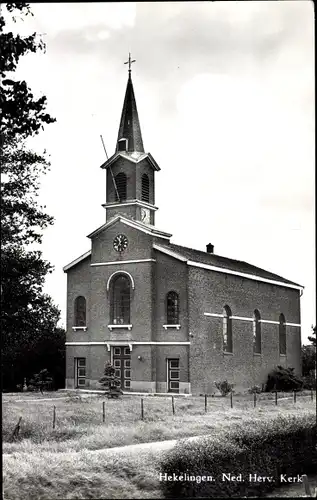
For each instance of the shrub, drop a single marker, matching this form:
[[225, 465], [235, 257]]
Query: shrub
[[224, 387], [255, 389], [309, 382], [110, 382], [285, 445], [41, 381], [283, 379]]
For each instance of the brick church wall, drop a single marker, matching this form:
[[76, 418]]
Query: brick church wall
[[209, 291]]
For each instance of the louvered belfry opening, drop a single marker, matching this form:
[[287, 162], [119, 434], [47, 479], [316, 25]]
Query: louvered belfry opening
[[120, 301], [145, 194], [121, 183]]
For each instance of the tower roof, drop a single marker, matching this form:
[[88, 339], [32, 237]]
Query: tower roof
[[129, 124]]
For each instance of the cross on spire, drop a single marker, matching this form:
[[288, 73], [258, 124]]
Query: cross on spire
[[129, 62]]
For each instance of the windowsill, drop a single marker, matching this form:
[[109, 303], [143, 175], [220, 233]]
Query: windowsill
[[171, 326], [125, 327], [228, 353], [76, 328], [282, 355], [257, 354]]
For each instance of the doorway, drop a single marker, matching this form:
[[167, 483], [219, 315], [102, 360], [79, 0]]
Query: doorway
[[121, 359]]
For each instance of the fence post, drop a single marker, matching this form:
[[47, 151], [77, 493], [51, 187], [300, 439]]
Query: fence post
[[306, 485], [54, 416], [205, 403], [173, 406], [276, 397], [254, 399], [311, 394], [231, 400], [103, 412], [142, 410], [294, 396]]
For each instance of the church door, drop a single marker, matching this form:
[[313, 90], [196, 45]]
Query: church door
[[173, 375], [122, 363]]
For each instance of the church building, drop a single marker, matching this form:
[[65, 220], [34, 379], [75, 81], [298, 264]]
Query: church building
[[171, 319]]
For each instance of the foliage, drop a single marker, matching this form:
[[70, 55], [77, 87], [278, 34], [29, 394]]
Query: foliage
[[42, 380], [29, 316], [280, 446], [312, 339], [310, 382], [110, 382], [22, 114], [224, 387], [283, 379], [308, 359], [255, 389]]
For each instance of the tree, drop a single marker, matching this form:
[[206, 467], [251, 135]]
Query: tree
[[22, 115], [308, 360], [28, 315], [42, 380], [313, 339], [110, 382]]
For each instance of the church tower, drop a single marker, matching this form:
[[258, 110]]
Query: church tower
[[130, 171]]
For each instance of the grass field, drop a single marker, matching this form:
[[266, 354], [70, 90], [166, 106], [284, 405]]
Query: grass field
[[70, 461]]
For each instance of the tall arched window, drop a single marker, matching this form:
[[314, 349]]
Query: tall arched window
[[145, 194], [121, 183], [172, 308], [227, 329], [120, 300], [256, 332], [80, 311], [282, 334]]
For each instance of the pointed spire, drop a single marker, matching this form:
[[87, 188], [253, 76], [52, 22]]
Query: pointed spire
[[129, 124]]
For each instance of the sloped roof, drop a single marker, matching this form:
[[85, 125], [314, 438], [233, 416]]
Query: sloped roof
[[129, 124], [76, 261], [134, 157], [126, 219], [211, 259]]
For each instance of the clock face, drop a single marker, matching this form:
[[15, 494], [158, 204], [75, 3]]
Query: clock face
[[145, 215], [120, 243]]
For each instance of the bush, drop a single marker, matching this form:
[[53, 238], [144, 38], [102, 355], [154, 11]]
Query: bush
[[224, 387], [283, 379], [309, 382], [255, 389], [285, 445]]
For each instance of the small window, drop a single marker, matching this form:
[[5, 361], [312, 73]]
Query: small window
[[172, 308], [256, 332], [174, 374], [80, 311], [127, 351], [81, 372], [127, 373], [282, 334], [127, 384], [117, 363], [145, 194], [117, 351], [127, 363], [123, 144], [227, 329], [117, 373]]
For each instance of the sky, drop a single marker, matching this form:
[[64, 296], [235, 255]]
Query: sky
[[225, 96]]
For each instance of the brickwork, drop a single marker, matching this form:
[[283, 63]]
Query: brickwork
[[209, 292]]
